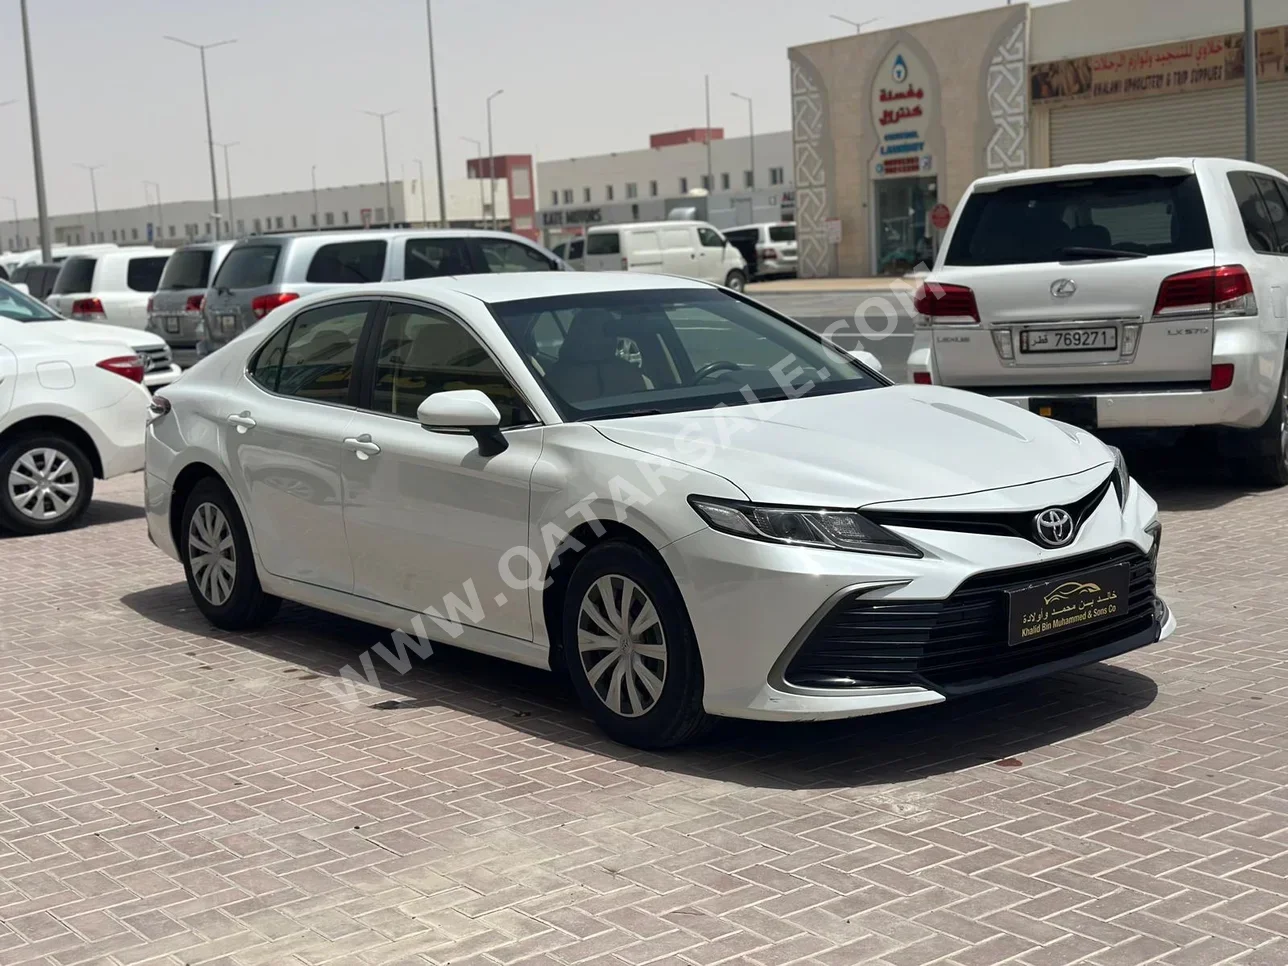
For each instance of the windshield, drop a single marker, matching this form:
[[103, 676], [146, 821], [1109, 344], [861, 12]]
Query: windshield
[[187, 268], [665, 351], [22, 308], [1052, 221]]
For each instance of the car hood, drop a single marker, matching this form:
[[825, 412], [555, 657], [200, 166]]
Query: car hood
[[853, 449], [69, 330]]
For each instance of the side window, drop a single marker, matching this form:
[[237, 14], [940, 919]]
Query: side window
[[317, 360], [501, 255], [348, 262], [144, 274], [434, 257], [1276, 213], [709, 237], [265, 368], [576, 248], [423, 352], [1252, 209]]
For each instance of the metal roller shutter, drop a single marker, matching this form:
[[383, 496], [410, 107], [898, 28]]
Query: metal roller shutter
[[1203, 123]]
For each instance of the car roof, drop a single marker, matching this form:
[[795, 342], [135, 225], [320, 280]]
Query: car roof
[[677, 223], [512, 286], [1164, 165], [378, 234]]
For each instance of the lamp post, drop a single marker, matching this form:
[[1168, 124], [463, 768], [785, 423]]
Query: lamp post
[[384, 148], [751, 132], [424, 215], [491, 157], [706, 88], [160, 211], [478, 166], [228, 186], [858, 25], [93, 191], [17, 240], [1249, 83], [438, 143], [37, 160], [210, 137], [313, 179]]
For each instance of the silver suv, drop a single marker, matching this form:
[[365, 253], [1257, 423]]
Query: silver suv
[[174, 312], [261, 273]]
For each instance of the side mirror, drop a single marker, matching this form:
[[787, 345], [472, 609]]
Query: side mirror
[[464, 411], [866, 358]]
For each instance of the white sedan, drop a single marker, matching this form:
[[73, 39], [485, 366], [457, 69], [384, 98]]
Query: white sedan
[[71, 410], [688, 503]]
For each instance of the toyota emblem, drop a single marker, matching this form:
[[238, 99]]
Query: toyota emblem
[[1054, 527], [1063, 288]]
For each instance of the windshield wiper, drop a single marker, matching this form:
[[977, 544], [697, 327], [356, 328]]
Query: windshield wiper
[[1078, 251]]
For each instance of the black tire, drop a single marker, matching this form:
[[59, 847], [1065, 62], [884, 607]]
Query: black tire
[[674, 716], [736, 280], [11, 516], [246, 605], [1265, 449]]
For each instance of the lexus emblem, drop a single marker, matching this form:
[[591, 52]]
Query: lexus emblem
[[1054, 527], [1063, 288]]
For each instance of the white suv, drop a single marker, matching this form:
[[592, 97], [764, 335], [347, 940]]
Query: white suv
[[1130, 294], [113, 286]]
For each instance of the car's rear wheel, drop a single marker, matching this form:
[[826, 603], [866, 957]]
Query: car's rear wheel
[[47, 483], [736, 280], [630, 649], [218, 561], [1266, 448]]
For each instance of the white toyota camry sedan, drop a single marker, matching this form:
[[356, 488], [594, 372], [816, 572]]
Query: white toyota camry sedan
[[689, 504]]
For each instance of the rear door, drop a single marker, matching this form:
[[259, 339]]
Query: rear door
[[1065, 276], [603, 251], [680, 251], [129, 305], [433, 256], [250, 270], [711, 254], [75, 279], [643, 250], [782, 242]]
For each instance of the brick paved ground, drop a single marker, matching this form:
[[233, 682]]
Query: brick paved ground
[[172, 795]]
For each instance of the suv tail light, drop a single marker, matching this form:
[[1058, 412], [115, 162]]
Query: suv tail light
[[261, 305], [937, 302], [195, 303], [88, 310], [768, 253], [1222, 376], [131, 367], [1225, 291], [625, 263], [921, 378], [151, 299]]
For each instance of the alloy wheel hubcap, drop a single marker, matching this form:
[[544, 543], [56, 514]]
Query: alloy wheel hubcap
[[212, 553], [44, 484], [622, 645]]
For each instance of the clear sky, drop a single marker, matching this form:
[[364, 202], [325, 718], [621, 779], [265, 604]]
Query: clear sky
[[580, 77]]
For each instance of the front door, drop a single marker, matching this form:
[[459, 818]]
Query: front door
[[283, 430], [430, 521]]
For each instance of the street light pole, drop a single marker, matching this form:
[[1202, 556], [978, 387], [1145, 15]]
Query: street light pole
[[228, 188], [478, 166], [160, 211], [424, 214], [313, 179], [491, 156], [384, 148], [1249, 83], [38, 162], [93, 192], [711, 178], [858, 25], [751, 132], [438, 143], [210, 137]]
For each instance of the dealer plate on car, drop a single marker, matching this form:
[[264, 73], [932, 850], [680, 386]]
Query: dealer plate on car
[[1065, 603], [1101, 338]]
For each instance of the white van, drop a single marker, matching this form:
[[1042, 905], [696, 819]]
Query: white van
[[693, 249]]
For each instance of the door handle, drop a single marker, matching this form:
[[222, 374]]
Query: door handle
[[362, 446], [242, 421]]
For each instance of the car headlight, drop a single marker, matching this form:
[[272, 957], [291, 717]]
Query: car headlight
[[1122, 479], [801, 526]]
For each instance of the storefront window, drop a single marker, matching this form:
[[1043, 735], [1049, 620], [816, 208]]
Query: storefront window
[[905, 237]]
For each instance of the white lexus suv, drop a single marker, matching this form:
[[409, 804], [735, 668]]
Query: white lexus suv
[[1130, 294]]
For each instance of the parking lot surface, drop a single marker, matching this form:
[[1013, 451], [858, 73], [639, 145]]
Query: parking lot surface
[[170, 794]]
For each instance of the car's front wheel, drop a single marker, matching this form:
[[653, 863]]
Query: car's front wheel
[[47, 483], [218, 561], [630, 649]]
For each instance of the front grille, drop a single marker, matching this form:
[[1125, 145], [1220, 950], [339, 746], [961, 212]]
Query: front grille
[[959, 645], [155, 358]]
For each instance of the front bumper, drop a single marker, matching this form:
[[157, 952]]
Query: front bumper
[[753, 604]]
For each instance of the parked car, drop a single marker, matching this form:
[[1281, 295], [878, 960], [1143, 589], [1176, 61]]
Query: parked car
[[1131, 294], [572, 252], [36, 278], [71, 410], [261, 273], [175, 311], [742, 521], [692, 249], [112, 287], [769, 249]]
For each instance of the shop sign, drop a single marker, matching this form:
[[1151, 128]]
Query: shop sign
[[574, 216], [833, 226], [902, 104], [1194, 65]]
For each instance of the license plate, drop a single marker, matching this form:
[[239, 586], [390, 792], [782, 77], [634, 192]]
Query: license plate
[[172, 324], [1067, 603], [1097, 339], [228, 323]]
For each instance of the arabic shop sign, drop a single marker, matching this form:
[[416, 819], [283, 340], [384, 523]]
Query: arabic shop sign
[[1166, 69], [903, 102]]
